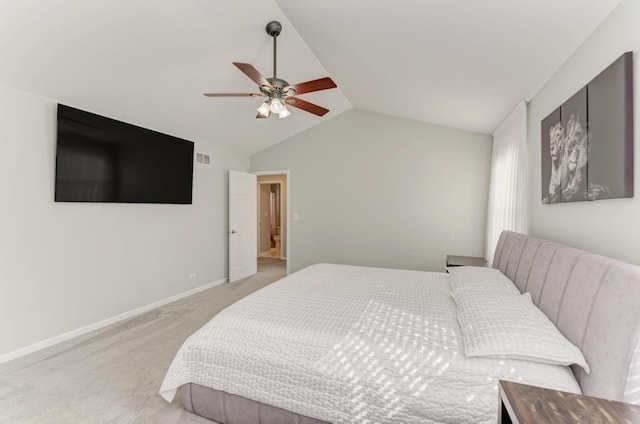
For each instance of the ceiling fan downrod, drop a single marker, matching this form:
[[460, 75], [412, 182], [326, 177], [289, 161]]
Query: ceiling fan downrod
[[273, 29]]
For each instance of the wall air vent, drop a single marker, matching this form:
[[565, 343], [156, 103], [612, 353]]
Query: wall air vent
[[203, 158]]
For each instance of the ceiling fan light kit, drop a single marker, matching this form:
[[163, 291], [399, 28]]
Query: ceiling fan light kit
[[284, 113], [279, 93], [264, 110]]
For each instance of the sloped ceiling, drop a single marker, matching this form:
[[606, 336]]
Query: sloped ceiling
[[460, 63]]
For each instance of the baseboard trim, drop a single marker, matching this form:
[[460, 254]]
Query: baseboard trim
[[18, 353]]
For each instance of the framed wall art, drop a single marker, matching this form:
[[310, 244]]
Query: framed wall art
[[587, 142]]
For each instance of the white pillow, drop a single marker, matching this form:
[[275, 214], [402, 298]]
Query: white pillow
[[502, 325], [475, 277]]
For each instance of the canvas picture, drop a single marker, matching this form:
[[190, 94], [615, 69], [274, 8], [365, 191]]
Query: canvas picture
[[587, 143]]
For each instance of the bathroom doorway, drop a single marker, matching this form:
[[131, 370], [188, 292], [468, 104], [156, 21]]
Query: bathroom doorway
[[272, 221]]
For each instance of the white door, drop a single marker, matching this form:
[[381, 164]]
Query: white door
[[242, 225]]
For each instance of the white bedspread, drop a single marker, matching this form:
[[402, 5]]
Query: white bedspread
[[351, 344]]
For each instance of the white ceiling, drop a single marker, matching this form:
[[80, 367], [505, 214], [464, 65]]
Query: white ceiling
[[460, 63]]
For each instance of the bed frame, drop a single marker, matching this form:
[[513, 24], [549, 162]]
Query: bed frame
[[232, 409], [593, 300]]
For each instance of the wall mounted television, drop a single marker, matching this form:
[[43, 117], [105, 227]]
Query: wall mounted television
[[99, 159]]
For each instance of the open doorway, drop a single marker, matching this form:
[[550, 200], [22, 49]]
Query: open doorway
[[270, 220], [272, 234]]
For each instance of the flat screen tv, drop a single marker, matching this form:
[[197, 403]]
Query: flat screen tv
[[100, 159]]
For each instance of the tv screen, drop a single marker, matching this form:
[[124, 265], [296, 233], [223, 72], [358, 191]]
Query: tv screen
[[100, 159]]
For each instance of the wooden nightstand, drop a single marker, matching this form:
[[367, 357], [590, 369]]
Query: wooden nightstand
[[453, 260], [522, 404]]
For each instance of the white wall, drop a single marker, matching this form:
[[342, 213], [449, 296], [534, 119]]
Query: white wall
[[376, 190], [609, 227], [67, 265]]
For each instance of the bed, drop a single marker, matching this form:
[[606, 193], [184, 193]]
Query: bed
[[339, 344]]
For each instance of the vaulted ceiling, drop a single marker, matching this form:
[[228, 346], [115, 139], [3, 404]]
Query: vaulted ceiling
[[459, 63]]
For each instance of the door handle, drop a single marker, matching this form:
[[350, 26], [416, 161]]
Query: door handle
[[234, 231]]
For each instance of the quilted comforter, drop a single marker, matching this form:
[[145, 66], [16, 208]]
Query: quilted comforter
[[349, 344]]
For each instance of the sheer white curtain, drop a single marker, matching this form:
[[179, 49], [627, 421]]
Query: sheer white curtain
[[507, 189]]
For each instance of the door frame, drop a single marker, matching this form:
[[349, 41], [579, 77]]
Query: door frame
[[288, 220]]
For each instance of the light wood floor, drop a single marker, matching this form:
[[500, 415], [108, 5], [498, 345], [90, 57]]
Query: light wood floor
[[114, 376], [273, 253]]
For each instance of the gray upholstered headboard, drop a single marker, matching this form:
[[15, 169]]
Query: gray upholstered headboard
[[593, 300]]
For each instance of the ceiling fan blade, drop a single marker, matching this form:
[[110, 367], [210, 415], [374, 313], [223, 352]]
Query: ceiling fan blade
[[306, 106], [253, 73], [232, 94], [315, 85]]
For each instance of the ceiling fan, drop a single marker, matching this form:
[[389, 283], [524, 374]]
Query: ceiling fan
[[279, 93]]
